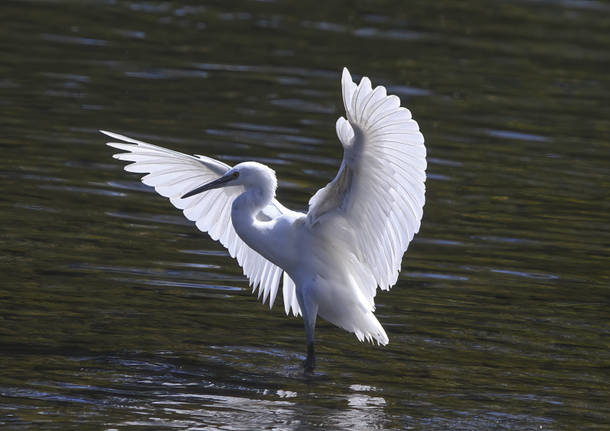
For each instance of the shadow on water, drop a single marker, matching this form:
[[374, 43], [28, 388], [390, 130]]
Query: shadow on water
[[115, 313]]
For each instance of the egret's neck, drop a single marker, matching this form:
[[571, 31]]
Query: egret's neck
[[254, 232], [254, 199]]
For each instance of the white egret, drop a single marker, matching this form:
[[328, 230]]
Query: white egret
[[351, 240]]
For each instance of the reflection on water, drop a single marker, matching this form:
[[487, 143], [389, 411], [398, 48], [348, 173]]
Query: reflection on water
[[116, 313]]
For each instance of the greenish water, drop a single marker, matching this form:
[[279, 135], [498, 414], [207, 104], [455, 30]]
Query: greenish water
[[116, 313]]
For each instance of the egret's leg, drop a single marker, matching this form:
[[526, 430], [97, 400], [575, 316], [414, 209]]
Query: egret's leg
[[310, 327], [310, 362], [310, 312]]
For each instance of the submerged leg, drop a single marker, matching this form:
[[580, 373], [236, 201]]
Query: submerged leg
[[310, 362]]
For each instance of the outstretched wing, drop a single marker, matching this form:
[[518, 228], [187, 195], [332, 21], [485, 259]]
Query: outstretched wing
[[172, 174], [377, 198]]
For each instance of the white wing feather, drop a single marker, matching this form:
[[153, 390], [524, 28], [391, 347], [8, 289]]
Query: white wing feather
[[173, 174], [377, 197]]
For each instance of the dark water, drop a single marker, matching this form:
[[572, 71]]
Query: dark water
[[116, 313]]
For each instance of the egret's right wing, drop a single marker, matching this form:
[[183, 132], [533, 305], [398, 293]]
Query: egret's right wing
[[172, 174], [373, 207]]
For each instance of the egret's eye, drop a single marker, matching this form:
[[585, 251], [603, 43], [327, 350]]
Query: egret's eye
[[235, 174]]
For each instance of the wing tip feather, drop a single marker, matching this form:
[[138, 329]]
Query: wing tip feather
[[113, 135], [346, 76]]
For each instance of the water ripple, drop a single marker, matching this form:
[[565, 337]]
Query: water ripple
[[73, 39], [511, 134], [167, 74], [533, 275]]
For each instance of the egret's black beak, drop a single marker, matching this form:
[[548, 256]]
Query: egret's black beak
[[211, 185]]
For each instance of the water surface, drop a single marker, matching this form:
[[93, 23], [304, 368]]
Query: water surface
[[116, 313]]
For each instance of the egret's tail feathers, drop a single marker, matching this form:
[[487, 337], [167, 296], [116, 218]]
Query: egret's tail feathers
[[368, 328], [371, 330]]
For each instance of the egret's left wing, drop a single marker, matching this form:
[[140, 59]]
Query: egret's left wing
[[172, 174]]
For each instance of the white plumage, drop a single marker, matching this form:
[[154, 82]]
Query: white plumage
[[354, 235]]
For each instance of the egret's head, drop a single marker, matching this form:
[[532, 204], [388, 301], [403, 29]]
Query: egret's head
[[247, 174]]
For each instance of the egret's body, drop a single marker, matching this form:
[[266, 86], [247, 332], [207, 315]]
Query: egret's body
[[351, 240]]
